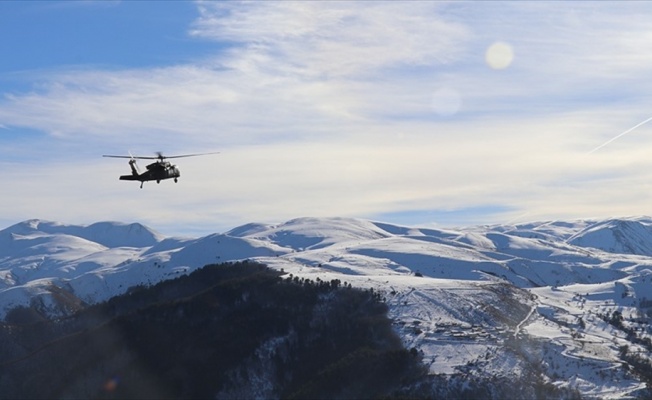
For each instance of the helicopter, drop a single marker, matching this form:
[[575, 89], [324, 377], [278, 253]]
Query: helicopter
[[156, 171]]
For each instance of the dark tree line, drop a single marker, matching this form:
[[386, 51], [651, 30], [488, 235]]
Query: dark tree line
[[232, 331]]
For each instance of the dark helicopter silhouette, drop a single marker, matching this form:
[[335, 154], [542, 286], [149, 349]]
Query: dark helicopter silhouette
[[156, 171]]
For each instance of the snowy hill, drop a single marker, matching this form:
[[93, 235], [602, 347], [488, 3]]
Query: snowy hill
[[488, 300], [617, 236]]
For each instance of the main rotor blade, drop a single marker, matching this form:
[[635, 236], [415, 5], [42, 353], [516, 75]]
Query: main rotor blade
[[160, 156], [190, 155], [106, 155], [132, 157]]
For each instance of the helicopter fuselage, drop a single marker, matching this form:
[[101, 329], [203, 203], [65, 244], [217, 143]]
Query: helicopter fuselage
[[156, 171]]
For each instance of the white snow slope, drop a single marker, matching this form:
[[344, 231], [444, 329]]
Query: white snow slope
[[483, 301]]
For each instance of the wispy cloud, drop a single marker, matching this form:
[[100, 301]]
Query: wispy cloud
[[334, 39]]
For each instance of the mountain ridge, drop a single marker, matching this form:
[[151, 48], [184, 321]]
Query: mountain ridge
[[107, 233]]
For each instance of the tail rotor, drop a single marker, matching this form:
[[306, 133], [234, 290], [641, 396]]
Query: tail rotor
[[135, 171]]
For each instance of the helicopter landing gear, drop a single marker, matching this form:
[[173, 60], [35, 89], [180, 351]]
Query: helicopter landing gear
[[141, 184], [176, 180]]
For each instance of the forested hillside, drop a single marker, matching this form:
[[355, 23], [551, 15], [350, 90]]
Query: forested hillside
[[232, 331]]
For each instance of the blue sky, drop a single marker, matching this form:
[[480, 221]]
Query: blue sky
[[50, 35], [419, 113]]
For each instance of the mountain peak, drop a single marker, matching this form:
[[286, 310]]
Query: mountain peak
[[108, 234], [626, 236], [116, 234], [313, 233]]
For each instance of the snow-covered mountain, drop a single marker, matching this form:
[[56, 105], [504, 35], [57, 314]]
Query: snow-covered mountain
[[486, 300]]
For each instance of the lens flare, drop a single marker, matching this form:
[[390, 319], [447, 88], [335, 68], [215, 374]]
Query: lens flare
[[111, 384], [499, 55]]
